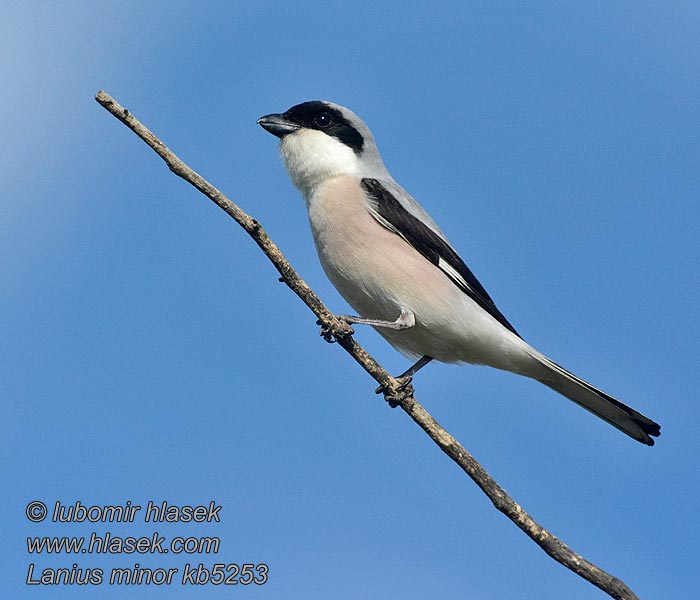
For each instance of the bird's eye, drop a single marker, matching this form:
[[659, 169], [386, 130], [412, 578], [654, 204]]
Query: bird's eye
[[323, 120]]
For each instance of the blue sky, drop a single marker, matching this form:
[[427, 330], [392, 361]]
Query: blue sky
[[147, 351]]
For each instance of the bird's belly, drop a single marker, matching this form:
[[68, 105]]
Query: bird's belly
[[379, 273]]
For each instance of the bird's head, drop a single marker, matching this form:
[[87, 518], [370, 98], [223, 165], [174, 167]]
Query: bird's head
[[319, 140]]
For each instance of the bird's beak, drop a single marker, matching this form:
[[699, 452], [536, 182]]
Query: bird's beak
[[277, 125]]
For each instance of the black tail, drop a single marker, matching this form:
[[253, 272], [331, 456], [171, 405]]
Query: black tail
[[619, 415]]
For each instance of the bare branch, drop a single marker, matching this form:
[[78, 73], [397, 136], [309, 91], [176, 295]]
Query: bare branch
[[339, 331]]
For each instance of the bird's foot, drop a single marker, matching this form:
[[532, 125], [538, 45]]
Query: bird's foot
[[333, 331], [404, 389], [394, 396]]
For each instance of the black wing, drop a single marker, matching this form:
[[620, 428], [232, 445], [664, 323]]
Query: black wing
[[389, 212]]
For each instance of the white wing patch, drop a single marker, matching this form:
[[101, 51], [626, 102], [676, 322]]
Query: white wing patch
[[452, 273], [382, 221]]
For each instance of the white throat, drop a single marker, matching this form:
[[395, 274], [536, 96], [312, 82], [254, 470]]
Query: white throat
[[312, 157]]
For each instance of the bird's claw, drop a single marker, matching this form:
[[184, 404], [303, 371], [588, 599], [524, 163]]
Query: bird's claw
[[330, 333], [325, 333], [395, 396]]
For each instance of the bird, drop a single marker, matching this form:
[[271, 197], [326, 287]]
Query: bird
[[393, 265]]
